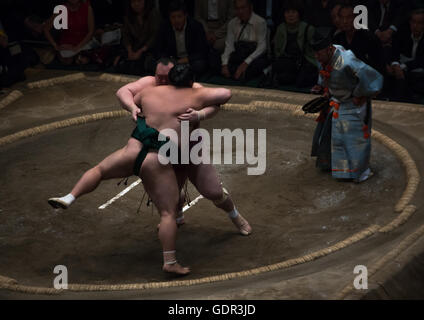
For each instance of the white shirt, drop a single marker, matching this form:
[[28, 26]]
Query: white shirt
[[256, 30], [212, 9], [404, 59]]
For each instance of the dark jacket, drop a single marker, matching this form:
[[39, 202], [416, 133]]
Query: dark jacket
[[397, 14], [365, 46], [402, 44], [195, 41]]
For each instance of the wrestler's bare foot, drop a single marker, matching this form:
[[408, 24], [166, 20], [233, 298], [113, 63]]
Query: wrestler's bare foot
[[242, 225], [176, 268]]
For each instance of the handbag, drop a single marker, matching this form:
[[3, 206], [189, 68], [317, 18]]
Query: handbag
[[244, 48]]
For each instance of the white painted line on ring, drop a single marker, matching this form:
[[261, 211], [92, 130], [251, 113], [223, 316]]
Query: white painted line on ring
[[194, 202], [119, 195]]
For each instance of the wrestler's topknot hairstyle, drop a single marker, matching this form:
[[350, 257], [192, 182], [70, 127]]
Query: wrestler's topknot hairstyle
[[181, 75]]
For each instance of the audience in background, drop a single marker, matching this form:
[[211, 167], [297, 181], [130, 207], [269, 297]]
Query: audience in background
[[79, 35], [363, 43], [407, 62], [294, 58], [245, 53], [214, 16], [234, 38], [386, 18], [141, 26], [183, 38]]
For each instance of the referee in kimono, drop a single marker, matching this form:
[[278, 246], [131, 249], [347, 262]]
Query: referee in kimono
[[342, 139]]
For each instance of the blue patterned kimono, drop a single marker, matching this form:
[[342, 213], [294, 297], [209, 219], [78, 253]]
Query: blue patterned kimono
[[350, 125]]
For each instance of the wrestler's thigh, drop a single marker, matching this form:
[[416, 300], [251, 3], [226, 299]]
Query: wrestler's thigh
[[206, 180], [160, 183], [120, 164]]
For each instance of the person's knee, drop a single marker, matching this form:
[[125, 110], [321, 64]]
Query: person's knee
[[217, 195], [167, 214]]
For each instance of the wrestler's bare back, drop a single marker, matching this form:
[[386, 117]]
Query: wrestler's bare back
[[162, 105]]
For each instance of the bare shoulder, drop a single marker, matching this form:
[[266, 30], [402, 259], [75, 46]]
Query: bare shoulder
[[142, 83], [148, 81], [210, 96]]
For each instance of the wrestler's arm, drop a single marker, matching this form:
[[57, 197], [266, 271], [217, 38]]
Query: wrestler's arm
[[211, 96], [127, 93], [195, 116], [205, 113]]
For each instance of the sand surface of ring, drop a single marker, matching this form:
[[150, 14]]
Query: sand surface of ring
[[295, 209]]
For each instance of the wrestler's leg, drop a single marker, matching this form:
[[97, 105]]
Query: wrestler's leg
[[161, 184], [117, 165], [205, 178], [181, 175], [181, 172]]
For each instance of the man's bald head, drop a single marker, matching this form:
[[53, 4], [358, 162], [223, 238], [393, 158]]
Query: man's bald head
[[162, 70]]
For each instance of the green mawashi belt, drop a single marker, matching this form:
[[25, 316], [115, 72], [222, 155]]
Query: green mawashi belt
[[149, 137]]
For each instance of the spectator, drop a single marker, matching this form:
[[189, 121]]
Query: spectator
[[215, 15], [245, 47], [141, 26], [183, 38], [407, 67], [363, 43], [78, 36], [386, 17], [295, 62]]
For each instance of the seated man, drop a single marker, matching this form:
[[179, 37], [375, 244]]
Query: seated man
[[363, 43], [183, 39], [161, 106], [386, 19], [407, 63], [215, 15], [245, 55]]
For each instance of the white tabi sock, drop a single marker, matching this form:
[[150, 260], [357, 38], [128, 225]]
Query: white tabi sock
[[68, 199]]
